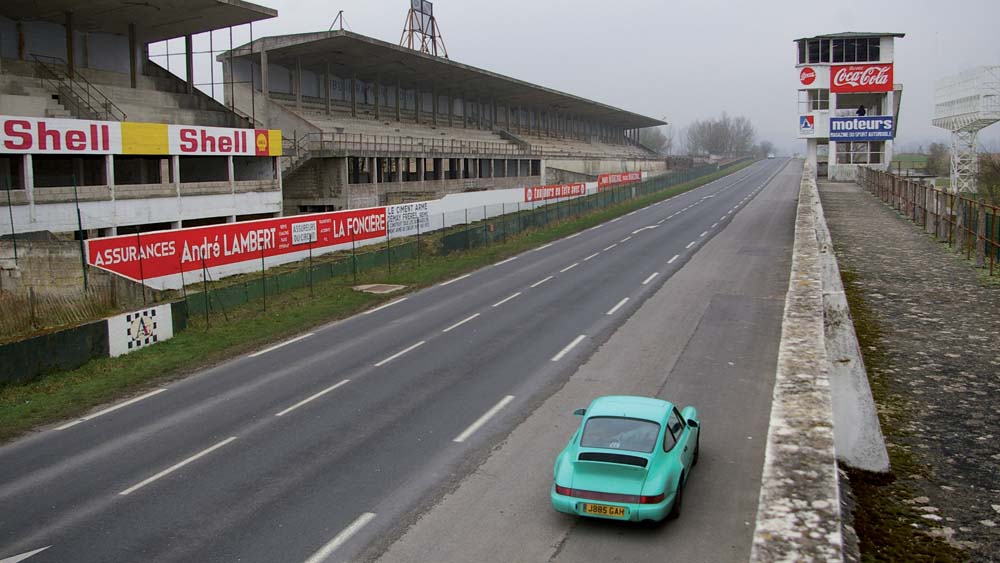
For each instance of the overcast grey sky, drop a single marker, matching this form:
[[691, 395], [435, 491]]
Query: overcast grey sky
[[684, 59]]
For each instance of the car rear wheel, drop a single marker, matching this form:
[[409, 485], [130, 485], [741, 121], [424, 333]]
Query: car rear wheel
[[675, 510]]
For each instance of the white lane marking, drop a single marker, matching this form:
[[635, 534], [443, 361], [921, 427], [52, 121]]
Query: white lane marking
[[615, 220], [650, 278], [703, 234], [544, 246], [389, 304], [674, 215], [610, 247], [708, 196], [570, 267], [312, 397], [502, 301], [671, 261], [660, 222], [483, 419], [23, 556], [690, 244], [647, 228], [723, 218], [573, 236], [400, 353], [110, 409], [626, 239], [453, 280], [460, 323], [633, 213], [568, 347], [619, 305], [511, 259], [324, 552], [714, 225], [591, 256], [176, 466], [595, 227], [540, 282], [276, 346]]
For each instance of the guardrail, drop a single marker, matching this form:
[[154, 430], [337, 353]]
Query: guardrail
[[76, 90], [966, 224]]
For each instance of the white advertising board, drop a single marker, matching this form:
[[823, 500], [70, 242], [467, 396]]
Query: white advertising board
[[132, 331]]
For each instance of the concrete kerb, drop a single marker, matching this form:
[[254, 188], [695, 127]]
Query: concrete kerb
[[798, 514]]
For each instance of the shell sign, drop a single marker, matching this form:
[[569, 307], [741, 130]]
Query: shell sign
[[38, 135]]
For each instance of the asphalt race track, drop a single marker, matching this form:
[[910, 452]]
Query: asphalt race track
[[451, 404]]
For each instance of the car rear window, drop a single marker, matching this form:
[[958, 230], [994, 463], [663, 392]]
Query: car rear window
[[618, 433]]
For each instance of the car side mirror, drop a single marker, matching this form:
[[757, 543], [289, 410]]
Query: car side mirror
[[580, 412], [693, 423]]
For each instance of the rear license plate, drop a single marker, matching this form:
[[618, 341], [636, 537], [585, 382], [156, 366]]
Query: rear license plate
[[604, 510]]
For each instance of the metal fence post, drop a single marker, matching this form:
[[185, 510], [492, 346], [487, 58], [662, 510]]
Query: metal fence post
[[981, 236], [10, 211]]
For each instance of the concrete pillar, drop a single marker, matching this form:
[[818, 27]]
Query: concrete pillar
[[417, 102], [398, 96], [133, 64], [264, 74], [298, 83], [354, 95], [70, 45], [465, 111], [493, 112], [378, 99], [434, 106], [232, 174], [451, 110], [175, 163], [327, 94], [421, 169], [189, 62], [109, 174]]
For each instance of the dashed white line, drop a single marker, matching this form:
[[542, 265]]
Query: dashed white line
[[619, 305], [595, 227], [650, 278], [540, 282], [400, 353], [324, 552], [570, 267], [690, 244], [723, 218], [660, 222], [111, 409], [389, 304], [483, 419], [176, 466], [276, 346], [591, 256], [544, 246], [453, 280], [311, 398], [632, 213], [626, 239], [460, 323], [573, 236], [714, 225], [610, 247], [568, 347], [703, 234], [23, 556], [615, 220], [511, 259], [502, 301], [671, 261]]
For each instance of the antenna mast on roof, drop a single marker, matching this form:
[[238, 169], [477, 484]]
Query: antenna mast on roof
[[339, 18], [421, 31]]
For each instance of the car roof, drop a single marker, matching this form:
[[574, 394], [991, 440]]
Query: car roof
[[628, 406]]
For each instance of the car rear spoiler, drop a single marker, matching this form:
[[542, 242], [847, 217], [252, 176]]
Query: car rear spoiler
[[621, 459]]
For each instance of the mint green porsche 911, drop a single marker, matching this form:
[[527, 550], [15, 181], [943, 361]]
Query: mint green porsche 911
[[629, 460]]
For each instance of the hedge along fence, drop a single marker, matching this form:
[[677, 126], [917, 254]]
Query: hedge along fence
[[478, 226]]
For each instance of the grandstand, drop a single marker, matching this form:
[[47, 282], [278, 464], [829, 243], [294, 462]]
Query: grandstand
[[369, 123]]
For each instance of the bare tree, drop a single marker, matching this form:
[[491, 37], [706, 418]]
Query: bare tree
[[724, 136], [938, 160], [989, 177]]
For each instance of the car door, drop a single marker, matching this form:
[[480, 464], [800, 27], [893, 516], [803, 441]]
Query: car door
[[680, 430]]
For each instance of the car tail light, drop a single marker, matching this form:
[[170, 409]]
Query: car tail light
[[611, 497]]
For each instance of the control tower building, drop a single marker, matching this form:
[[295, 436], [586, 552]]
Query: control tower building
[[848, 102]]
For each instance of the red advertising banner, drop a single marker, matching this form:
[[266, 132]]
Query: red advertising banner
[[608, 180], [152, 255], [540, 193], [861, 78]]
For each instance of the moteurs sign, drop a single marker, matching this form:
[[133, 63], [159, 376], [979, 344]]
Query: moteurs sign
[[861, 78], [867, 128]]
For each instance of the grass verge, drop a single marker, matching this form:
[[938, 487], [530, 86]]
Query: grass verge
[[69, 394], [888, 528]]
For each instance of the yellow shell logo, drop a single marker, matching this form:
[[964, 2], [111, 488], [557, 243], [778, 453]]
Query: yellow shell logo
[[261, 142]]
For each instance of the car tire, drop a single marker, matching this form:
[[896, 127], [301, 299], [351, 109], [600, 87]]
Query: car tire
[[697, 449], [675, 510]]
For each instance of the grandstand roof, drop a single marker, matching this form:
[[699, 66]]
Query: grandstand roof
[[155, 19], [350, 53]]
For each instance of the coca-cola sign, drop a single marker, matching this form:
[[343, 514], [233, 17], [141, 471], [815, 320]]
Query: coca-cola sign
[[861, 78], [807, 76]]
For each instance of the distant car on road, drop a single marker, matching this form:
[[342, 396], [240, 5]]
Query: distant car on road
[[629, 460], [770, 155]]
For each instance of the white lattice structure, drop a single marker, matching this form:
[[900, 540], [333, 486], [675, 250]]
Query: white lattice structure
[[965, 104]]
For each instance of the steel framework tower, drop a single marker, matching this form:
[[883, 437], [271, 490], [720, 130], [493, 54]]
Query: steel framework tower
[[965, 104], [421, 31]]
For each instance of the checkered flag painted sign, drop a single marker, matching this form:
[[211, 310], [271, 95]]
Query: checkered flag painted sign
[[138, 329]]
